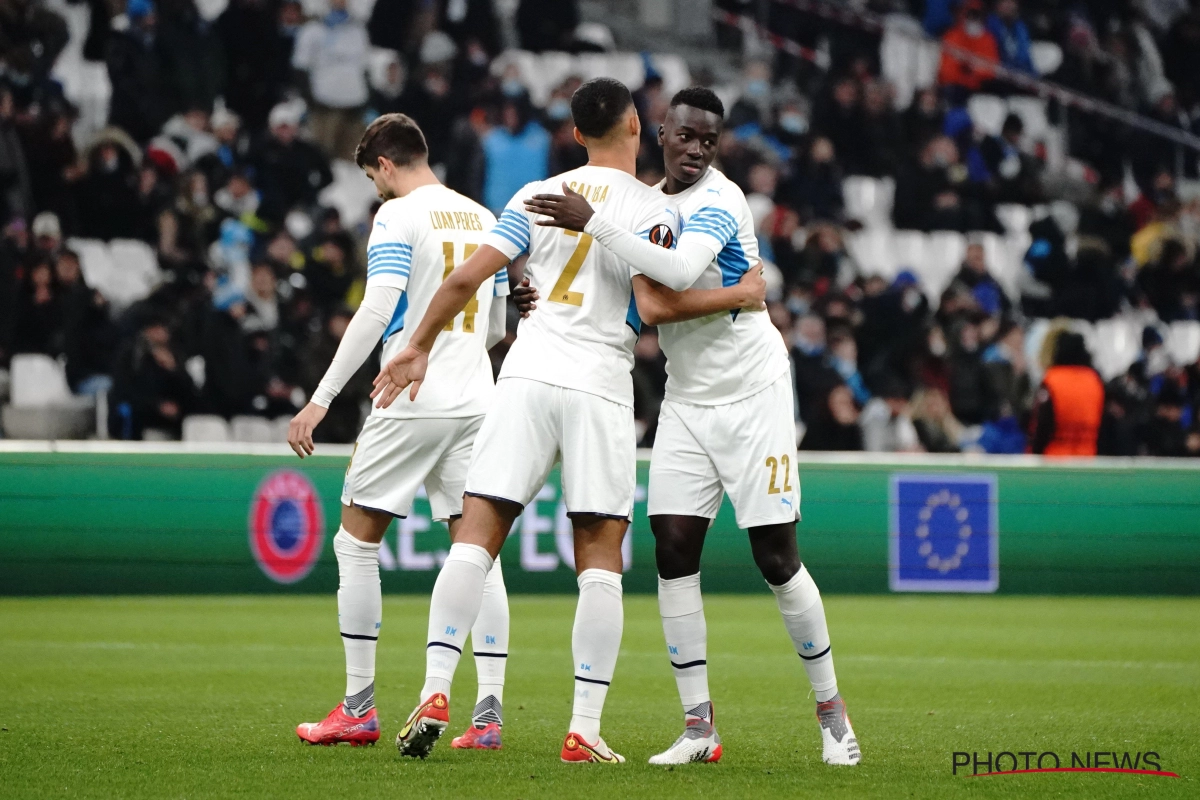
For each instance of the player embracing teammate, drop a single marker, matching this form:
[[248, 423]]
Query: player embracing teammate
[[726, 425]]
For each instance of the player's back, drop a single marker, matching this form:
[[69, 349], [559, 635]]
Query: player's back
[[582, 335], [723, 357], [415, 242]]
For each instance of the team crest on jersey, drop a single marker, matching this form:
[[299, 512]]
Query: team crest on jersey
[[663, 236], [287, 527]]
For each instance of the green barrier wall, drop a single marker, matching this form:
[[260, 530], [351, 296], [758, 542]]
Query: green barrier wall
[[178, 522]]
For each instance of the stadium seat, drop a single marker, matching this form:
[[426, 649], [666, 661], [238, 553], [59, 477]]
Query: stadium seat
[[95, 262], [205, 428], [944, 254], [1183, 342], [1047, 57], [38, 380], [279, 429], [252, 429], [1014, 217], [1032, 111], [987, 113], [350, 193], [871, 248], [1115, 345], [869, 200]]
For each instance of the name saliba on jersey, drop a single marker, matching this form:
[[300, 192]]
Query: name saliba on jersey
[[456, 220], [593, 194]]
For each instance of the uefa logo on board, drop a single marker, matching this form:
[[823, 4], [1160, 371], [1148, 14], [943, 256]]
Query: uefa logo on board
[[287, 528]]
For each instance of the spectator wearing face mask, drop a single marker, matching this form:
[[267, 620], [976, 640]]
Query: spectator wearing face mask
[[290, 171], [957, 76], [151, 389], [516, 152], [1070, 402], [108, 195], [139, 69], [1011, 35]]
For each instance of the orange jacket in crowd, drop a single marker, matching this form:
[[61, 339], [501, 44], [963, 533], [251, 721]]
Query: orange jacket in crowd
[[956, 72], [1070, 407]]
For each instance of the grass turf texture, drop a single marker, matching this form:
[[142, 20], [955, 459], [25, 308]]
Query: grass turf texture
[[199, 697]]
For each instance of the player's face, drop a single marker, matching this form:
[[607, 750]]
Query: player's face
[[689, 138], [379, 178]]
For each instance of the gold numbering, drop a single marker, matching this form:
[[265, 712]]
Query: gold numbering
[[775, 464], [472, 307], [561, 293]]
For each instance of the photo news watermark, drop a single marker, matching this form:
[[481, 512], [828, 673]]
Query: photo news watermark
[[1025, 762]]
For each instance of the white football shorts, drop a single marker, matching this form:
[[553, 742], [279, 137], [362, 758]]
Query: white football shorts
[[747, 449], [533, 424], [393, 457]]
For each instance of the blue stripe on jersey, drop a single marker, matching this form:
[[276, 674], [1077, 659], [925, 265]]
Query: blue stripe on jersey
[[390, 258], [734, 264], [632, 318], [397, 322], [500, 281], [514, 227], [715, 222]]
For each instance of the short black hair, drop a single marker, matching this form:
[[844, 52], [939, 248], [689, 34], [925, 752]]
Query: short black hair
[[1070, 349], [598, 105], [396, 137], [699, 97]]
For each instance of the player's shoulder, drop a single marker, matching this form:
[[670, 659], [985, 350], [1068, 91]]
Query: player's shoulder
[[719, 190], [392, 219]]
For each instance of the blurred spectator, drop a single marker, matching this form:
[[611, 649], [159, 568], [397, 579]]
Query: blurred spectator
[[53, 163], [516, 152], [547, 24], [923, 120], [649, 384], [333, 51], [883, 131], [886, 422], [974, 275], [16, 191], [89, 336], [1007, 372], [193, 51], [839, 116], [291, 172], [958, 76], [1172, 283], [472, 23], [1069, 404], [937, 429], [229, 384], [815, 189], [1011, 36], [835, 423], [263, 299], [108, 193], [972, 398], [428, 96], [257, 38], [31, 37], [935, 193], [1015, 175], [39, 318], [140, 69], [814, 377], [151, 389]]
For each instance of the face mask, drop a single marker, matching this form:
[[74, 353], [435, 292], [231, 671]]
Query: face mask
[[757, 88], [843, 367], [797, 305], [512, 88], [794, 124], [1157, 361], [558, 110], [809, 349], [111, 163], [336, 18]]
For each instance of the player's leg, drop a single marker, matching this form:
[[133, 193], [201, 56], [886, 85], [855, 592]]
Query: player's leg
[[511, 458], [389, 461], [758, 465], [445, 485], [684, 496], [599, 472]]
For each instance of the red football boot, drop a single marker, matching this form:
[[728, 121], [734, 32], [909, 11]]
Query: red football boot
[[473, 738], [577, 751], [425, 726], [341, 727]]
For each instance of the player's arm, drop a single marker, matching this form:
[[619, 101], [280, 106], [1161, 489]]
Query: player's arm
[[409, 366], [658, 304], [362, 334], [676, 269]]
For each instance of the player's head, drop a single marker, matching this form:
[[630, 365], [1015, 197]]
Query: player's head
[[391, 143], [605, 116], [691, 132]]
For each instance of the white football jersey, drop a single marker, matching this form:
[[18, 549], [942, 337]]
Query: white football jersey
[[723, 357], [582, 334], [416, 241]]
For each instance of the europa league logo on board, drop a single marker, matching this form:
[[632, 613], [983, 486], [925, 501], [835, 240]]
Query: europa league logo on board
[[287, 527]]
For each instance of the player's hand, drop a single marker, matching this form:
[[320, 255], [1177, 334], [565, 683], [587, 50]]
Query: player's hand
[[526, 297], [567, 210], [406, 369], [755, 287], [300, 429]]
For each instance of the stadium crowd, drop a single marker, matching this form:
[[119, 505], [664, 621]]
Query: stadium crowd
[[221, 136]]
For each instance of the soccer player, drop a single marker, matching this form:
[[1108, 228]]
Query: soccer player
[[420, 233], [565, 390], [726, 425]]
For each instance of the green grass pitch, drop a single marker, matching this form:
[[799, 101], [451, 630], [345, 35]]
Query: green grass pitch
[[195, 697]]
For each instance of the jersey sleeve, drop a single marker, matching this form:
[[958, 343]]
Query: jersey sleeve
[[501, 288], [389, 251], [510, 235], [713, 225]]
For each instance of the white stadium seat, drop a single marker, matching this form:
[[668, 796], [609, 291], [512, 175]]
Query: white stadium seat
[[350, 193], [869, 200], [908, 251], [1183, 342], [1116, 344], [987, 113], [944, 253], [1047, 57], [872, 249], [258, 430], [1032, 111], [1014, 217], [38, 380], [205, 428]]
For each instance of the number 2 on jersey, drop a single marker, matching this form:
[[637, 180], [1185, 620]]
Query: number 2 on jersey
[[472, 307], [561, 293], [775, 464]]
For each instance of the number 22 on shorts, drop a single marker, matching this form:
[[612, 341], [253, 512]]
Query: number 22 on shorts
[[774, 464]]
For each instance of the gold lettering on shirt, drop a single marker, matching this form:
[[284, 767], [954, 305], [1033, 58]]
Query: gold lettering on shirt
[[456, 220], [593, 194]]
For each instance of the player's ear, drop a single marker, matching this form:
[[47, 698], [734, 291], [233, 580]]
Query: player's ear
[[579, 138], [635, 123], [662, 135]]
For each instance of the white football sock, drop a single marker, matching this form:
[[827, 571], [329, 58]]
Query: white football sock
[[682, 609], [489, 641], [595, 644], [804, 617], [360, 614], [457, 595]]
